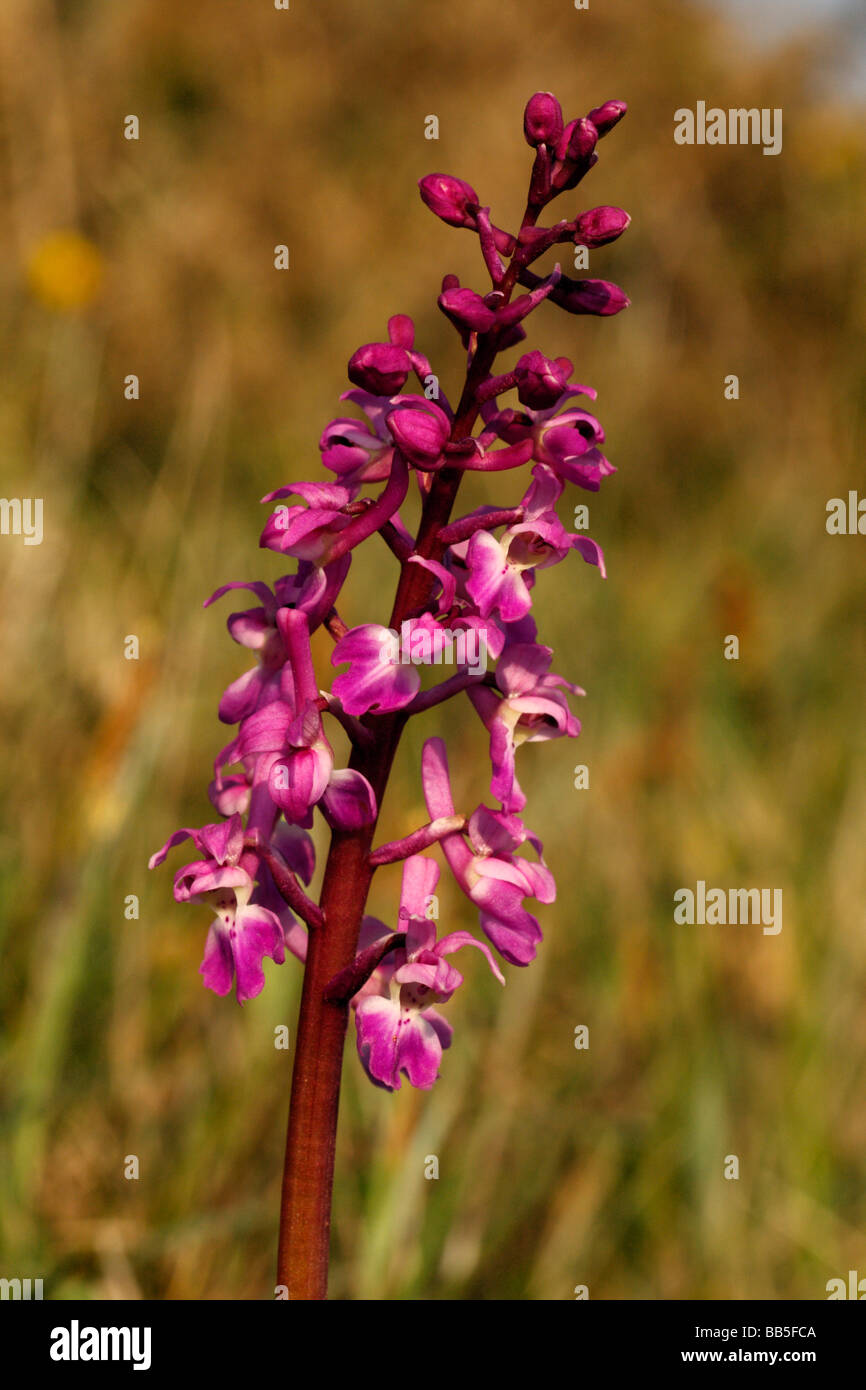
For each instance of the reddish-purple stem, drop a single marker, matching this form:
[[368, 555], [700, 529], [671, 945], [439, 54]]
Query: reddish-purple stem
[[308, 1174]]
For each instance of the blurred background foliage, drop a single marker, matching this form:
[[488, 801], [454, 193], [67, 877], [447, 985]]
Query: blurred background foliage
[[558, 1167]]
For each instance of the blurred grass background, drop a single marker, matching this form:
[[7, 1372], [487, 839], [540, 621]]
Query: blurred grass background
[[557, 1167]]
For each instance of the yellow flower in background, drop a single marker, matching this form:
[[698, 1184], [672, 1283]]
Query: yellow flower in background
[[64, 271]]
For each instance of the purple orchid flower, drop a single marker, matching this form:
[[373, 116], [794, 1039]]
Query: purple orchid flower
[[489, 871], [502, 572], [302, 775], [384, 673], [360, 452], [259, 740], [383, 368], [376, 679], [332, 523], [312, 590], [566, 440], [244, 932], [541, 382], [398, 1029], [530, 708]]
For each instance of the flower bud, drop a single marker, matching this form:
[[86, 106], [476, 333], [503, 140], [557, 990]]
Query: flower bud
[[577, 141], [542, 381], [542, 119], [467, 310], [598, 226], [420, 432], [381, 368], [575, 154], [605, 117], [450, 198], [590, 297]]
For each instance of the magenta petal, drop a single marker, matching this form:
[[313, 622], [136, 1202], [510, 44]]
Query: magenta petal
[[348, 801], [265, 730], [260, 590], [377, 1022], [419, 1051], [436, 976], [489, 633], [493, 833], [297, 849], [445, 577], [515, 943], [441, 1027], [391, 1041], [540, 882], [564, 443], [503, 785], [217, 966], [492, 582], [420, 877], [295, 938], [514, 599], [231, 796], [513, 931], [420, 932], [437, 795], [207, 877], [543, 492], [223, 841], [297, 781], [591, 552], [457, 939], [376, 680], [520, 666], [161, 854], [487, 563], [257, 933], [251, 627], [319, 496], [240, 699], [435, 779]]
